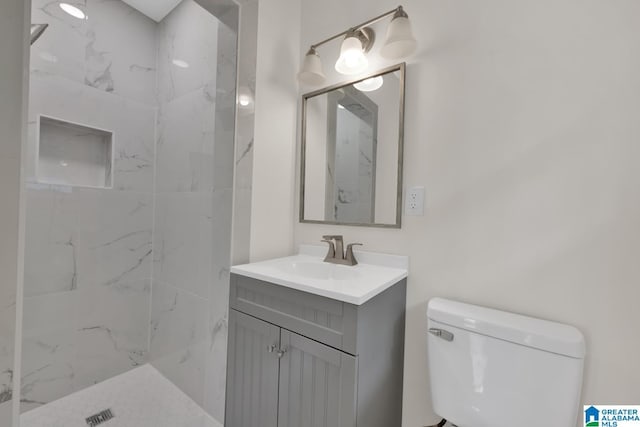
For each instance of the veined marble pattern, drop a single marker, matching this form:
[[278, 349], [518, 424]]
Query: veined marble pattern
[[187, 51], [7, 333], [192, 234], [73, 339], [116, 241], [216, 359], [246, 62], [48, 348], [179, 337], [242, 199], [183, 243], [216, 356], [141, 398], [224, 153], [132, 124], [9, 185], [90, 256], [185, 146], [108, 344], [113, 50], [87, 287], [89, 251], [81, 238], [51, 241]]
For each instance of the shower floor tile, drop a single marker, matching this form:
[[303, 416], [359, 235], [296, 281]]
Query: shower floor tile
[[141, 397]]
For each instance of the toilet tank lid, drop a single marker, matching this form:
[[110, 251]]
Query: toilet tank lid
[[528, 331]]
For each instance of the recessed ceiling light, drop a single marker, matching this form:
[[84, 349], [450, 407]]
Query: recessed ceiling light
[[73, 10], [369, 85], [180, 63]]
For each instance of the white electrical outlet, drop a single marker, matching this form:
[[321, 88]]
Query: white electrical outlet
[[414, 201]]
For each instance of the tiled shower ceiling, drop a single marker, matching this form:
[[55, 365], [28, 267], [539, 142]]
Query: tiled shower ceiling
[[154, 9]]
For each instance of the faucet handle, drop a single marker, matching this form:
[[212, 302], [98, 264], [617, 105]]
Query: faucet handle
[[332, 249], [332, 237], [349, 256]]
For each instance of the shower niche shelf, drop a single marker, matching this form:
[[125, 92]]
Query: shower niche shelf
[[74, 154]]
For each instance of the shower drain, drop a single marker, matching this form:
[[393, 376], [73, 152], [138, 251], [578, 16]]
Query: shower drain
[[99, 418]]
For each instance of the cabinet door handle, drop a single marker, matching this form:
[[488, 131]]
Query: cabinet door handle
[[271, 348], [281, 352]]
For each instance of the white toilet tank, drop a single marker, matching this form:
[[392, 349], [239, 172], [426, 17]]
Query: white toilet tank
[[490, 368]]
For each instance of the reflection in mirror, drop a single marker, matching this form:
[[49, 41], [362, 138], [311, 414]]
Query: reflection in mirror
[[352, 152]]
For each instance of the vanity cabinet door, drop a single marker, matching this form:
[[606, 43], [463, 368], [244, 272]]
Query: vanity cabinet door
[[317, 384], [252, 373]]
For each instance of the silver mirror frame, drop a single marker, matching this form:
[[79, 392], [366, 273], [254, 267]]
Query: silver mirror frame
[[398, 67]]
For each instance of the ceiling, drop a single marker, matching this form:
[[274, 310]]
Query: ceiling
[[154, 9]]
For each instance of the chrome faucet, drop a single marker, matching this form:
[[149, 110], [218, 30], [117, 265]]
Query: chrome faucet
[[336, 254]]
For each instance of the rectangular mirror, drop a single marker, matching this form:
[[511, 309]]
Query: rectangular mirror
[[352, 143]]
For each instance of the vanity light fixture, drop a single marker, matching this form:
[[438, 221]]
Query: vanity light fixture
[[72, 10], [400, 41], [358, 41], [352, 59]]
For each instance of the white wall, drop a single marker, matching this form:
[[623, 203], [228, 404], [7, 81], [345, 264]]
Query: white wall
[[522, 122], [12, 130]]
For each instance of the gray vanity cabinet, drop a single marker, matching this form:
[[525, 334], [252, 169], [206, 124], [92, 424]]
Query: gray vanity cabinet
[[301, 360], [253, 399], [317, 384]]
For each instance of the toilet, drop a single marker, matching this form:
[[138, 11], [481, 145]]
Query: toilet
[[490, 368]]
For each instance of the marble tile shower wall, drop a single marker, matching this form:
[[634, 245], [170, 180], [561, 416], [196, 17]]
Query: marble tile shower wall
[[88, 251], [192, 234], [9, 184], [91, 253], [247, 52]]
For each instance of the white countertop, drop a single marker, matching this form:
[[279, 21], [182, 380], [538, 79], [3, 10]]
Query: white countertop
[[307, 272]]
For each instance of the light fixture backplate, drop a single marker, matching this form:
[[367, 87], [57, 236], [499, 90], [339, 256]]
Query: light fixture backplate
[[367, 37]]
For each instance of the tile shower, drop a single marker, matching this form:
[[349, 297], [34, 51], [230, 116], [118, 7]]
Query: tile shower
[[133, 268]]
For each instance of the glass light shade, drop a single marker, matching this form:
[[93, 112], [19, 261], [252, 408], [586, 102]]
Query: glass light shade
[[369, 85], [400, 41], [311, 72], [352, 59]]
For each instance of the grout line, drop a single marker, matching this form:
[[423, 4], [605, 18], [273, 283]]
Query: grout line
[[154, 193]]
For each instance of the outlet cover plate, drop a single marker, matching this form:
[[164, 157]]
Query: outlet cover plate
[[414, 201]]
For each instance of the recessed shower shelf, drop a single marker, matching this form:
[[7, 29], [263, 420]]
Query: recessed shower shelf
[[74, 154]]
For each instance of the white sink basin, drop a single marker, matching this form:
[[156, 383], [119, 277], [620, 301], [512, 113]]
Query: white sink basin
[[317, 270], [307, 272]]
